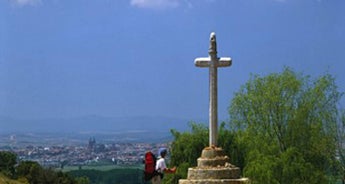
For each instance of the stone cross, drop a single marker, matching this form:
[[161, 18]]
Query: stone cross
[[213, 62]]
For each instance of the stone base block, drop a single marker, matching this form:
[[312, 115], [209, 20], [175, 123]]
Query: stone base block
[[213, 162], [212, 152], [215, 181], [214, 168], [214, 173]]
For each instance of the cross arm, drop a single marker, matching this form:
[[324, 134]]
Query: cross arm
[[224, 62], [202, 62], [206, 62]]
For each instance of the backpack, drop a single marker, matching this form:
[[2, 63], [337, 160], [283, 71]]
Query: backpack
[[150, 166]]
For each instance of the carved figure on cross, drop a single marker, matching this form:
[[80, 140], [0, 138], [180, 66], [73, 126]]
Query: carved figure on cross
[[213, 62]]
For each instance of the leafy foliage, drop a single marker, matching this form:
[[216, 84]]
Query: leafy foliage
[[288, 124], [31, 172], [7, 163], [196, 140]]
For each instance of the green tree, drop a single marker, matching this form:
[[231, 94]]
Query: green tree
[[7, 163], [287, 122], [25, 167], [35, 175]]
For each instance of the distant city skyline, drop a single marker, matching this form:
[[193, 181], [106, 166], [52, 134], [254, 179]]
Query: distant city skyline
[[63, 59]]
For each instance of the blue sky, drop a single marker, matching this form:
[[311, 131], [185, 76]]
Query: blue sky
[[69, 58]]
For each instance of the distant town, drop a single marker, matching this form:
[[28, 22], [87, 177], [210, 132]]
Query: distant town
[[89, 152]]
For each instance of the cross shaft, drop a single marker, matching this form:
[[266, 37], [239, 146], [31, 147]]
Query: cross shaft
[[213, 62]]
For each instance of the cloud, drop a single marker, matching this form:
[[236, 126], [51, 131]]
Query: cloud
[[26, 2], [156, 4]]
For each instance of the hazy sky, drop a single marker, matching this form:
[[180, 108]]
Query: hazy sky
[[69, 58]]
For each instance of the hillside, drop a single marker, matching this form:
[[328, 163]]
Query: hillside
[[4, 179]]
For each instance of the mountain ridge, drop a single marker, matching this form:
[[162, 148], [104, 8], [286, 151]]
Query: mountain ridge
[[93, 123]]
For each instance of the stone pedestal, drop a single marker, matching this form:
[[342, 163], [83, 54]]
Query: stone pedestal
[[214, 168]]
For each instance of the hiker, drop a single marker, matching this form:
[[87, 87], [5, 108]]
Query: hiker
[[161, 167]]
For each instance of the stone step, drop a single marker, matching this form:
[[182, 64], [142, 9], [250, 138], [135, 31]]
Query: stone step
[[215, 181], [214, 173], [213, 162]]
